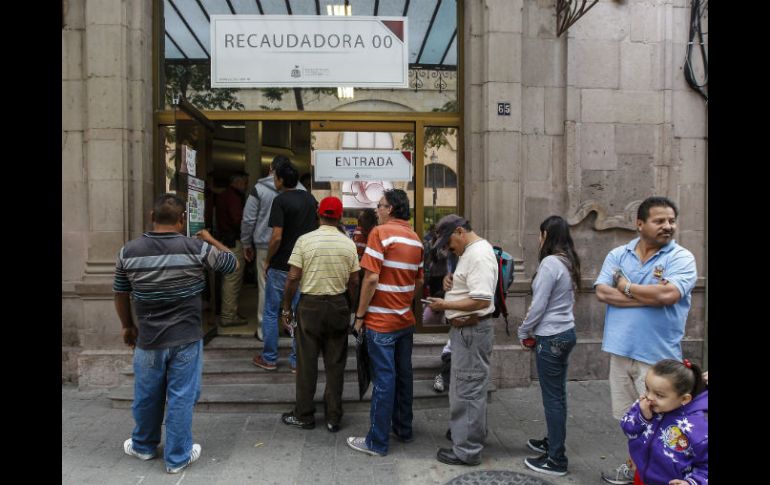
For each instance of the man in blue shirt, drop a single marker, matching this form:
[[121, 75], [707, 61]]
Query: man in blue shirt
[[647, 285]]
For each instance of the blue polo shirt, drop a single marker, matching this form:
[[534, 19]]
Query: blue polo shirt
[[648, 334]]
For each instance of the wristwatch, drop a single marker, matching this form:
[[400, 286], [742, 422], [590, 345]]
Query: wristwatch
[[627, 289], [359, 318]]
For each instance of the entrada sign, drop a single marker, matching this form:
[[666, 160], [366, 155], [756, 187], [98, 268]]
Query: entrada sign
[[341, 165], [308, 51]]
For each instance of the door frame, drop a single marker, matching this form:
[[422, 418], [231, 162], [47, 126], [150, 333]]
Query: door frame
[[350, 121]]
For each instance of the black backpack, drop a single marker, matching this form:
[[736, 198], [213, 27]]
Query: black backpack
[[505, 269]]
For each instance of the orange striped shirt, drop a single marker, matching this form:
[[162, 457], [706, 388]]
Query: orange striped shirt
[[395, 252]]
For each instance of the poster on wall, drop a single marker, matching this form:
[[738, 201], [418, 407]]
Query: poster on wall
[[309, 51], [188, 159], [196, 205]]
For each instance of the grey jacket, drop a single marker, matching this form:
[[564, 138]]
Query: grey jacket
[[552, 299], [255, 231]]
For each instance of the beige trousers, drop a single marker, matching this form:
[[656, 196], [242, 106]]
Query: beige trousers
[[231, 286], [626, 383]]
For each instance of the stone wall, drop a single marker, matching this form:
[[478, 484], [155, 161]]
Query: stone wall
[[106, 162], [602, 118]]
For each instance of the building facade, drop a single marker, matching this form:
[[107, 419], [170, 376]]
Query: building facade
[[593, 121]]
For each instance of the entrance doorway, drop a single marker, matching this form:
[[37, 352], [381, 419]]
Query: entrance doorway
[[225, 147]]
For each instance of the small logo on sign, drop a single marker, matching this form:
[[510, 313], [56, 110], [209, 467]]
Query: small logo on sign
[[295, 72]]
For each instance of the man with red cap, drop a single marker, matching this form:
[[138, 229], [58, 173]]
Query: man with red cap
[[324, 264]]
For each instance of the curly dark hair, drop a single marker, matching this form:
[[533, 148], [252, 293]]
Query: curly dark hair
[[399, 202]]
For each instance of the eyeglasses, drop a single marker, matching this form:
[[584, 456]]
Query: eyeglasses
[[380, 206]]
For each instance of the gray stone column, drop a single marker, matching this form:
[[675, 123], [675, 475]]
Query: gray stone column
[[494, 174], [107, 156], [493, 59]]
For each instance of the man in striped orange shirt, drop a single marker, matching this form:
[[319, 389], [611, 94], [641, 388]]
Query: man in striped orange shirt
[[393, 264]]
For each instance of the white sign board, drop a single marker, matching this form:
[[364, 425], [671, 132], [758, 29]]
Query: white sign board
[[188, 155], [259, 51], [341, 165]]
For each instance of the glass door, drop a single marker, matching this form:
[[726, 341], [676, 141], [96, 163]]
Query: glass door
[[378, 143], [360, 185], [186, 175]]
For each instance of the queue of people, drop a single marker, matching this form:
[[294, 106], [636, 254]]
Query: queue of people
[[320, 281]]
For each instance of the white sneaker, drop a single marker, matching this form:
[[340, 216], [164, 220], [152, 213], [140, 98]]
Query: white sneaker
[[194, 455], [622, 475], [128, 447], [438, 383], [359, 444]]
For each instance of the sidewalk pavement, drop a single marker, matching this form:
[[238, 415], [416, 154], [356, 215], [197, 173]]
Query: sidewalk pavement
[[258, 449]]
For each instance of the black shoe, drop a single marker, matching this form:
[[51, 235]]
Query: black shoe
[[544, 464], [332, 428], [401, 438], [291, 420], [448, 434], [539, 446], [446, 455]]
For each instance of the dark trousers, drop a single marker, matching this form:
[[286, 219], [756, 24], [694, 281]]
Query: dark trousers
[[322, 326], [552, 361]]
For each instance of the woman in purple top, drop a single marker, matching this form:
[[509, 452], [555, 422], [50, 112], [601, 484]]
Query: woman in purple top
[[667, 428]]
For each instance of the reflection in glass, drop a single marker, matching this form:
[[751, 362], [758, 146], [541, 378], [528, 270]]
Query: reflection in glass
[[169, 157], [360, 194], [441, 184]]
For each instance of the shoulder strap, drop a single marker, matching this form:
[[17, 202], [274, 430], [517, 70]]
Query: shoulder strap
[[255, 192]]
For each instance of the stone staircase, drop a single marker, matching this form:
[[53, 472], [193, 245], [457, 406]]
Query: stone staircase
[[231, 383]]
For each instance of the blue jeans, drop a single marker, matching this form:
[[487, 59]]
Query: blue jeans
[[276, 280], [390, 357], [552, 354], [172, 374]]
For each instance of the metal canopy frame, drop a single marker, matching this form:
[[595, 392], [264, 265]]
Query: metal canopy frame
[[186, 34]]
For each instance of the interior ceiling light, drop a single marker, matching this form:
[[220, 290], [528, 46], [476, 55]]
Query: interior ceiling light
[[346, 11], [345, 93]]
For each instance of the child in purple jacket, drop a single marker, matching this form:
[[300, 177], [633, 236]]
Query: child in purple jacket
[[667, 428]]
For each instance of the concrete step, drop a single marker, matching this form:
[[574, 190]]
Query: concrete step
[[279, 397], [234, 371], [239, 347]]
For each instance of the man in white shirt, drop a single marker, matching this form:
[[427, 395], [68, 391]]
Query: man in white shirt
[[468, 306]]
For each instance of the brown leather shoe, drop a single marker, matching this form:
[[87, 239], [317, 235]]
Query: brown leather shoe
[[260, 362]]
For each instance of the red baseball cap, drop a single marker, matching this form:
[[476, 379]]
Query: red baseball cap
[[330, 207]]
